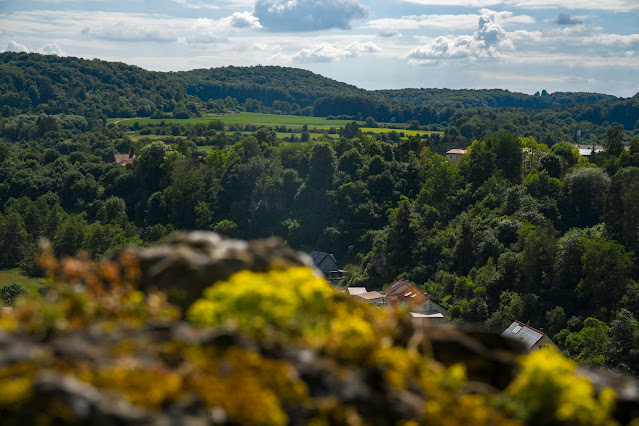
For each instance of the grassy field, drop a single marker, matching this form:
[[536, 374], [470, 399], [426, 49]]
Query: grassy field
[[245, 118], [405, 132], [8, 276]]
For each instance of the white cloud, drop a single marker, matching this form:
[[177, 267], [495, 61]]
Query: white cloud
[[392, 26], [51, 49], [13, 46], [196, 5], [129, 31], [308, 15], [612, 5], [328, 52], [242, 20], [214, 31], [207, 4], [490, 40]]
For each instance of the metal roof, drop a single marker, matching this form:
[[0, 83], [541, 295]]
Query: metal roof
[[429, 314], [356, 290], [523, 333]]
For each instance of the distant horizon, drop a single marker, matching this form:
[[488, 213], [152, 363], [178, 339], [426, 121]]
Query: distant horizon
[[523, 46]]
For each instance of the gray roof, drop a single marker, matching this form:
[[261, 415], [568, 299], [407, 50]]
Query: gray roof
[[319, 256], [523, 333]]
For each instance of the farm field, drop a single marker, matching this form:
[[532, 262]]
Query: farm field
[[15, 275], [244, 118]]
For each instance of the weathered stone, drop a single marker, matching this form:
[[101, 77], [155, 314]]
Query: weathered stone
[[187, 263]]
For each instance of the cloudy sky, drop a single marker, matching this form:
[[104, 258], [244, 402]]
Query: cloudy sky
[[520, 45]]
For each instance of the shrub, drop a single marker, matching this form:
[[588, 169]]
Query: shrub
[[10, 292]]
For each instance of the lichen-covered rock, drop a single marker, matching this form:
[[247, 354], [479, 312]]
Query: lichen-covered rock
[[186, 263], [269, 344]]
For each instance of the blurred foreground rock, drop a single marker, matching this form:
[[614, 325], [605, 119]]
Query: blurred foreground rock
[[114, 357], [186, 263]]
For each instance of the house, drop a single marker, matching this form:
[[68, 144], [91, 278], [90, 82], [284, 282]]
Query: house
[[326, 263], [531, 338], [404, 292], [588, 150], [454, 155], [121, 159], [422, 304], [432, 307]]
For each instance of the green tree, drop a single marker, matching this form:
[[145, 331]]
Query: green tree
[[507, 150], [69, 236], [606, 271], [585, 190], [511, 308], [14, 239], [591, 345], [401, 237], [614, 141], [113, 211], [621, 212]]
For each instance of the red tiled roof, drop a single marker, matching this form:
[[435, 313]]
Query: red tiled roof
[[404, 292]]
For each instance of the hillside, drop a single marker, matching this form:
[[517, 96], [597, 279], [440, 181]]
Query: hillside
[[54, 85]]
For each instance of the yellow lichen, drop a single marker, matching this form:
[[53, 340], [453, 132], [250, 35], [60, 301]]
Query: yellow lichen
[[548, 389]]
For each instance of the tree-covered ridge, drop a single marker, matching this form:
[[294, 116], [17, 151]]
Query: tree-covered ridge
[[95, 89], [34, 83], [469, 98], [263, 83]]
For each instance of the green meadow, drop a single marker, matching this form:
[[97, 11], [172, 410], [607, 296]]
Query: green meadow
[[244, 118], [15, 275]]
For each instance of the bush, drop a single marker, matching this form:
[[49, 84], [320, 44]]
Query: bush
[[10, 292]]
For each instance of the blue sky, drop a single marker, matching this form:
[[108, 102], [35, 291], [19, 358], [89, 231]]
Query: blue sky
[[520, 45]]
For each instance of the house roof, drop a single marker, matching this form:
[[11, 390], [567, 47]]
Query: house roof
[[403, 291], [457, 151], [123, 159], [429, 314], [524, 333], [319, 256], [356, 290], [371, 295]]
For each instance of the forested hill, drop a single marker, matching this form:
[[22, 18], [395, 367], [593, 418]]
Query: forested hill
[[469, 98], [93, 88], [90, 88], [264, 83]]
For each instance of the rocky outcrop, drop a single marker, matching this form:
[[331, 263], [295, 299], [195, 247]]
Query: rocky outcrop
[[185, 264]]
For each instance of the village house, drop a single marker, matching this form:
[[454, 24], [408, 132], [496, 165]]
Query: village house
[[531, 338], [121, 159], [423, 305], [454, 155], [327, 264]]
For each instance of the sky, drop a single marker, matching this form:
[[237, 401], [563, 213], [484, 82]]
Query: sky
[[519, 45]]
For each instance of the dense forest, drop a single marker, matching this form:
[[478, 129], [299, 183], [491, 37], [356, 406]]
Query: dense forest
[[523, 227]]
